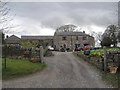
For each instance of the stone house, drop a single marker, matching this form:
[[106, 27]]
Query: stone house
[[72, 40], [12, 40], [60, 40]]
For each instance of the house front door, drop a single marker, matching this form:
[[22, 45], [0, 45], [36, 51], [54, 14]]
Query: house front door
[[77, 45]]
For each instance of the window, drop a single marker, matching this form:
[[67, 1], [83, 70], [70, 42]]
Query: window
[[77, 45], [84, 38], [76, 37], [63, 38], [64, 45]]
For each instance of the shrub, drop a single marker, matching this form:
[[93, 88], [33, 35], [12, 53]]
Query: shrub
[[48, 53]]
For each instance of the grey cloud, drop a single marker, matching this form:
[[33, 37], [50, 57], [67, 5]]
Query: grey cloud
[[55, 14]]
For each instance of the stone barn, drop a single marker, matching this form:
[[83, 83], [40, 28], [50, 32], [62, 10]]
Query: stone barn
[[41, 40]]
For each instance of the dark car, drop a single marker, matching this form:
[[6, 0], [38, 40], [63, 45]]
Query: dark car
[[91, 47], [79, 48]]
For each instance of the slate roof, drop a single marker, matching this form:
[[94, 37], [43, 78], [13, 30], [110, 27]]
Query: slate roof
[[71, 33], [12, 40], [36, 37]]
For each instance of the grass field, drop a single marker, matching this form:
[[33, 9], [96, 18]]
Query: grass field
[[16, 68]]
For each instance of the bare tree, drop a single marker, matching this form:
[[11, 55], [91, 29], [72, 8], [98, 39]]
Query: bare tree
[[5, 18], [66, 28], [4, 10], [97, 36]]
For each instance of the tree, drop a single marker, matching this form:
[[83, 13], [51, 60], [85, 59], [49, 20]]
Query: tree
[[106, 41], [29, 43], [97, 36], [111, 32], [4, 11], [6, 17], [66, 28]]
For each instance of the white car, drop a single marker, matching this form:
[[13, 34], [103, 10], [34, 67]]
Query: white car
[[50, 48]]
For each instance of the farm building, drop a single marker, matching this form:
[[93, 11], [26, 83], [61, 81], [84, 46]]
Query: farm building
[[64, 37]]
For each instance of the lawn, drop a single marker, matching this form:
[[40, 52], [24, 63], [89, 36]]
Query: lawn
[[16, 68]]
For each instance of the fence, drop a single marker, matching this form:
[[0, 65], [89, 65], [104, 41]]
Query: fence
[[16, 51], [110, 58], [19, 52]]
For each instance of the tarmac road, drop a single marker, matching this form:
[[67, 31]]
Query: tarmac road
[[64, 70]]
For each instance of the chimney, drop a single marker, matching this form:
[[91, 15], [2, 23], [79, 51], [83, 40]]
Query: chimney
[[83, 31], [7, 36]]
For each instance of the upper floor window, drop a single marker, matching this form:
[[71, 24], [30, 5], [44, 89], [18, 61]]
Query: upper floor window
[[84, 38], [63, 38], [76, 37]]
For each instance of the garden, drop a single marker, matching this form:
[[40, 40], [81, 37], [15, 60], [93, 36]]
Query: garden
[[96, 58], [18, 67], [20, 60]]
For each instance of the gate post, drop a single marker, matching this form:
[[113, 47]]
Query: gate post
[[41, 54], [105, 59]]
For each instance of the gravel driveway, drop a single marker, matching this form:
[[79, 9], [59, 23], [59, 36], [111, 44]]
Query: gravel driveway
[[64, 71]]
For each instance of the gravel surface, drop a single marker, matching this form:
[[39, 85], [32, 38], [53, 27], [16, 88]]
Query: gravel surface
[[64, 70]]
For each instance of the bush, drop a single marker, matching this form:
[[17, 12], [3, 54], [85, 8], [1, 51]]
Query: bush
[[48, 53]]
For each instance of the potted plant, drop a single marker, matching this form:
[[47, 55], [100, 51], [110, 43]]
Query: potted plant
[[113, 69]]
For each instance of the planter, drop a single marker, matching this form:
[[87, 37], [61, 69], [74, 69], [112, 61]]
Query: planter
[[113, 69], [34, 60], [86, 52]]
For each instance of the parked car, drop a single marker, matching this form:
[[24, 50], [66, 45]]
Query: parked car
[[79, 48], [51, 48], [91, 47], [88, 47]]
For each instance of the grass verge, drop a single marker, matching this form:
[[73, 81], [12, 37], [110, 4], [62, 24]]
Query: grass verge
[[16, 68], [113, 79]]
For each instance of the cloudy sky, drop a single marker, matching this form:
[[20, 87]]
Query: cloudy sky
[[42, 18]]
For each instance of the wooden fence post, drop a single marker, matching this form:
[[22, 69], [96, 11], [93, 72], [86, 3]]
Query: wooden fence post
[[41, 54], [105, 59]]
